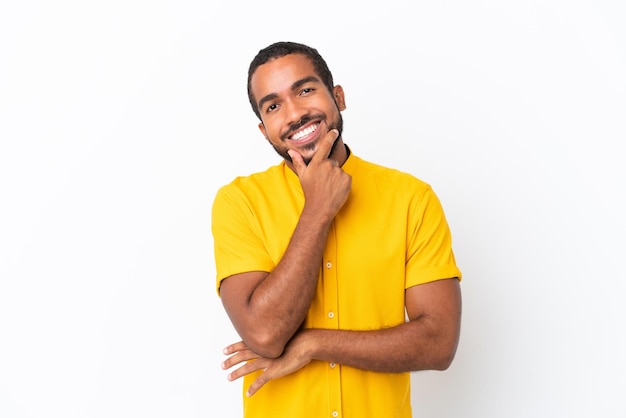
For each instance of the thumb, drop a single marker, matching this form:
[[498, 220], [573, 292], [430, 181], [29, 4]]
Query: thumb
[[298, 163]]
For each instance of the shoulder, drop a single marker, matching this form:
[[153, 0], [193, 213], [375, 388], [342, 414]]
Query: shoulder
[[254, 183], [251, 180], [388, 176]]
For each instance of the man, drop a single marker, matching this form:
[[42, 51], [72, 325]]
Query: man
[[338, 274]]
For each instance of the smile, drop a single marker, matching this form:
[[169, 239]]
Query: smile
[[299, 135]]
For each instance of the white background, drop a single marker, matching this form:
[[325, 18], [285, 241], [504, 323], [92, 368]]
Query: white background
[[120, 119]]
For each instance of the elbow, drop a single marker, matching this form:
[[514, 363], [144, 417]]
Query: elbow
[[265, 345], [443, 362], [269, 351], [444, 357]]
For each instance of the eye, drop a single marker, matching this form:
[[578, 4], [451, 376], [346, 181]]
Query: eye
[[307, 90], [271, 107]]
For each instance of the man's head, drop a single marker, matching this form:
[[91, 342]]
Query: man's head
[[291, 91], [280, 49]]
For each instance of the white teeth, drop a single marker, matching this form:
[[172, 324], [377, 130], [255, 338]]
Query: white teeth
[[304, 132]]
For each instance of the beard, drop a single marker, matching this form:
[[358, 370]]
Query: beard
[[336, 124]]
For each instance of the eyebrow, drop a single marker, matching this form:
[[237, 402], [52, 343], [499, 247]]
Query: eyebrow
[[296, 85]]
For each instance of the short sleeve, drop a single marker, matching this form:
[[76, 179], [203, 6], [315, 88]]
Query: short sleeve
[[237, 242], [429, 247]]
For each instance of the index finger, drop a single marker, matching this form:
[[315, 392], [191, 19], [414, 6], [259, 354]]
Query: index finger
[[326, 144]]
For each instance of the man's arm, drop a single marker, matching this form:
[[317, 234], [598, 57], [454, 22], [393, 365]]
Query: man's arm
[[267, 309], [427, 341]]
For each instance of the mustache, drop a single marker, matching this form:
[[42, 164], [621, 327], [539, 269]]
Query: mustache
[[299, 124]]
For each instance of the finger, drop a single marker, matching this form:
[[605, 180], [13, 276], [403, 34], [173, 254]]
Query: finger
[[258, 384], [239, 357], [298, 162], [233, 348], [326, 144], [250, 367]]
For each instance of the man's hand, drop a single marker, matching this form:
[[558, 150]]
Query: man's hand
[[293, 358], [325, 185]]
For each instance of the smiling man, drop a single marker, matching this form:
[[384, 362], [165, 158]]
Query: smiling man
[[338, 274]]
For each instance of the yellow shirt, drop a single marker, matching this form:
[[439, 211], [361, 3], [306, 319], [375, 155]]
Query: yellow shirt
[[390, 235]]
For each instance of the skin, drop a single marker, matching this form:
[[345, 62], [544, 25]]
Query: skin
[[290, 98], [267, 308]]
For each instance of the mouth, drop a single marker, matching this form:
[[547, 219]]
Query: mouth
[[306, 133]]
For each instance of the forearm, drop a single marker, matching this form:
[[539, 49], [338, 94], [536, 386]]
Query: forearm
[[278, 303], [287, 291], [412, 346]]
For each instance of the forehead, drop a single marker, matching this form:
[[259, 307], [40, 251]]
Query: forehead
[[279, 74]]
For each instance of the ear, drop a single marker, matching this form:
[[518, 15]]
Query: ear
[[262, 129], [339, 97]]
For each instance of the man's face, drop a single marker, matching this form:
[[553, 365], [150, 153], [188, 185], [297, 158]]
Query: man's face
[[296, 108]]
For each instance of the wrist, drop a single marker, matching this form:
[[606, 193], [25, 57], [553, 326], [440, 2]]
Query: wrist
[[308, 343], [316, 217]]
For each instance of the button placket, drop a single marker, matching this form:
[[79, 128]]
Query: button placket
[[331, 309]]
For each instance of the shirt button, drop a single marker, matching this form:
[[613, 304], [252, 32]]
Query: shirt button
[[329, 265], [331, 315], [332, 365], [335, 414]]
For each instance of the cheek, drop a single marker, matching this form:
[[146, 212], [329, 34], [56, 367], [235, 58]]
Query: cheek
[[274, 130]]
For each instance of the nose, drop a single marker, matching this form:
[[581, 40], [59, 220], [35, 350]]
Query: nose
[[294, 111]]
